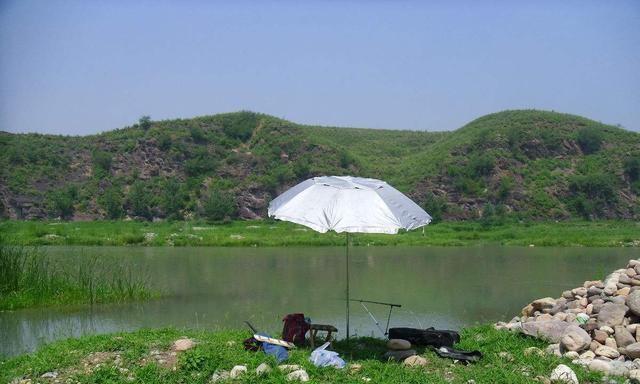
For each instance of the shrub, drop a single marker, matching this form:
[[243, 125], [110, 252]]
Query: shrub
[[111, 201], [480, 165], [172, 199], [239, 126], [346, 159], [504, 188], [302, 168], [589, 139], [591, 193], [632, 168], [164, 141], [145, 122], [219, 205], [101, 162], [199, 165], [435, 206], [594, 185], [492, 215], [197, 134], [61, 202]]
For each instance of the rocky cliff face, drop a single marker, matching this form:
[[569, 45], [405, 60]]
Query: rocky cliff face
[[525, 164]]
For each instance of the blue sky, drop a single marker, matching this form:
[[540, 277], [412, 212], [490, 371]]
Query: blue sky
[[79, 67]]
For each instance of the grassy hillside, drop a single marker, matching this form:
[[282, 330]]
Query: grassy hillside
[[520, 164]]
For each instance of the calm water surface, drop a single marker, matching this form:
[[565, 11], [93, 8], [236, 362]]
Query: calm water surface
[[221, 287]]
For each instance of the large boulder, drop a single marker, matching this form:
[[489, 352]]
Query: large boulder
[[623, 337], [633, 302], [633, 350], [612, 314], [575, 339], [607, 352], [551, 330]]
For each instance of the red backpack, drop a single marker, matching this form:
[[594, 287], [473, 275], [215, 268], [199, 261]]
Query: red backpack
[[294, 329]]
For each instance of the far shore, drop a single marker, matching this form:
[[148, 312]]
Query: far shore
[[267, 233]]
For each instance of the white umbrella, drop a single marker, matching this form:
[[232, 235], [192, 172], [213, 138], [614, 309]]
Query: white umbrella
[[348, 204]]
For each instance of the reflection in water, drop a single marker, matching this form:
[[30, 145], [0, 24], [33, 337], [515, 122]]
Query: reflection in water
[[221, 287]]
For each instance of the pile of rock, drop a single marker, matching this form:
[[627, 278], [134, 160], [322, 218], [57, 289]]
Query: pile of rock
[[400, 350], [596, 325]]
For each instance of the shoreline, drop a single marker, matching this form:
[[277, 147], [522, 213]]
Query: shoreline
[[267, 233]]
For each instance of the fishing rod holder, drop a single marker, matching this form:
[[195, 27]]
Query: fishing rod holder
[[384, 332]]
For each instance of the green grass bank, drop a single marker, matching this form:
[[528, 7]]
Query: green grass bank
[[144, 356], [275, 233]]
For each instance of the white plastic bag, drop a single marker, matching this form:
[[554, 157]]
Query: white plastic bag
[[320, 357]]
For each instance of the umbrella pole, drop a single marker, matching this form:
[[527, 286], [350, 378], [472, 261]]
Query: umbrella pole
[[348, 301]]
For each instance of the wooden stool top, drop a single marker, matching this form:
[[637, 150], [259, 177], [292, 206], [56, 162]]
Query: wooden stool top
[[323, 327]]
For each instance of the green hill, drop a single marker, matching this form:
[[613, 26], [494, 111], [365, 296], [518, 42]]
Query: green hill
[[522, 164]]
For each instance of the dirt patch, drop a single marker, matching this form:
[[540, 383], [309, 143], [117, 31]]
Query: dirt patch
[[166, 359]]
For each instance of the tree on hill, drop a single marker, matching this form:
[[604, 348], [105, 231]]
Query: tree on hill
[[145, 122], [61, 202], [219, 205], [172, 199], [139, 200], [589, 139], [111, 202]]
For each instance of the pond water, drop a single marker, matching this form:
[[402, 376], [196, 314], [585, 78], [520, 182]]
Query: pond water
[[216, 288]]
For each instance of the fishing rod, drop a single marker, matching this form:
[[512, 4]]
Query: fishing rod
[[384, 332]]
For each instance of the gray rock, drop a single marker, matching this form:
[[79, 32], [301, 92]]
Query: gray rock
[[581, 291], [574, 339], [600, 366], [611, 314], [219, 376], [594, 291], [618, 368], [563, 374], [398, 344], [608, 352], [600, 336], [414, 361], [611, 343], [633, 302], [551, 330], [546, 302], [571, 355], [49, 375], [553, 349], [237, 371], [607, 329], [263, 369], [634, 374], [398, 355], [623, 336], [618, 300], [299, 375], [633, 350]]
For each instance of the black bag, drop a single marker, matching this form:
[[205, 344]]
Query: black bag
[[429, 336]]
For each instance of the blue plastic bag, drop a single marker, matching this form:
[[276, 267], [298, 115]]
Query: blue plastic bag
[[320, 357]]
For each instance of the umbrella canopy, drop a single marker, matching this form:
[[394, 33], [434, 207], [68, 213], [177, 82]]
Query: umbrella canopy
[[348, 204]]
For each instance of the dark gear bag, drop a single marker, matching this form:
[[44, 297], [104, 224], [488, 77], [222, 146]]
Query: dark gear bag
[[429, 336], [294, 328]]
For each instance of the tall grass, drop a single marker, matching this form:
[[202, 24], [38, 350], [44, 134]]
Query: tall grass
[[28, 277]]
